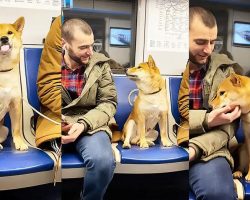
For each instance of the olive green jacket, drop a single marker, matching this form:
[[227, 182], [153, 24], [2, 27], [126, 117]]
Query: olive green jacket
[[96, 106]]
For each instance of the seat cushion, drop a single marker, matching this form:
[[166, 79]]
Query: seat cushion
[[153, 155], [72, 160], [246, 188], [14, 162]]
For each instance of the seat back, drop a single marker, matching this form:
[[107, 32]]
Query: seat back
[[240, 134], [32, 60], [124, 86], [7, 123], [174, 86]]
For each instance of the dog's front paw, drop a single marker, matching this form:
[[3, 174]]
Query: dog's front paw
[[166, 143], [20, 145], [126, 146], [135, 140], [1, 147], [143, 143], [150, 143], [237, 174]]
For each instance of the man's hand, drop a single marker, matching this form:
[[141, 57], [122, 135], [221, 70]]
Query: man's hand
[[191, 153], [74, 130], [66, 127], [223, 116]]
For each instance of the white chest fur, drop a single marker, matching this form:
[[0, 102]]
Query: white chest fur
[[9, 79], [10, 83], [152, 106]]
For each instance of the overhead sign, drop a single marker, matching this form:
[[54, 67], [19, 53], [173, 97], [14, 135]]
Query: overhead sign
[[34, 4]]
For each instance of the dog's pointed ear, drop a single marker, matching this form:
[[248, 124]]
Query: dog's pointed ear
[[19, 24], [151, 61], [235, 80]]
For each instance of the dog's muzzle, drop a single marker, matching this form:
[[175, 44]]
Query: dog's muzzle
[[4, 40], [5, 46]]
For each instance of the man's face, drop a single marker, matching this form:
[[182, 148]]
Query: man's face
[[201, 41], [80, 49]]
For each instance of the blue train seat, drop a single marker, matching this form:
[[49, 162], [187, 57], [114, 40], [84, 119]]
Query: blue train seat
[[175, 156], [34, 165], [168, 159], [174, 84]]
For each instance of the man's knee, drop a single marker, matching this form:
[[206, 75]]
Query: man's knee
[[218, 192], [102, 162]]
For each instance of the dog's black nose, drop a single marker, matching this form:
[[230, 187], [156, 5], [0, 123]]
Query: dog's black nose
[[4, 39]]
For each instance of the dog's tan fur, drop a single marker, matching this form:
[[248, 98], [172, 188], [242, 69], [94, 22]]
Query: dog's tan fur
[[150, 107], [235, 90], [10, 93]]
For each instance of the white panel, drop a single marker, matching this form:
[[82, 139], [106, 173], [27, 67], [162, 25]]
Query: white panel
[[37, 22], [164, 35]]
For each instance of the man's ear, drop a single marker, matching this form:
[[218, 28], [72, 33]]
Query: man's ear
[[64, 44], [235, 80]]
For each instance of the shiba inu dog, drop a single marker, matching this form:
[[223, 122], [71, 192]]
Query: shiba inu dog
[[235, 90], [10, 93], [150, 107]]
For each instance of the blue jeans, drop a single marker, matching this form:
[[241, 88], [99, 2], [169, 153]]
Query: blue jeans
[[212, 180], [97, 154]]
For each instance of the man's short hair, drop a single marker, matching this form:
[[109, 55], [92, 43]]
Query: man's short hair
[[206, 16], [70, 25]]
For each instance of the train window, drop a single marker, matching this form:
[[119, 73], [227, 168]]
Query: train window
[[241, 34], [120, 37]]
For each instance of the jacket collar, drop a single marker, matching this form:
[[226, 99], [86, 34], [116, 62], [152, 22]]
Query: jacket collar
[[219, 61], [95, 59], [91, 74]]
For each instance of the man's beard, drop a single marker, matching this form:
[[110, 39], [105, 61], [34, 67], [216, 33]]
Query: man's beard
[[194, 61], [74, 57]]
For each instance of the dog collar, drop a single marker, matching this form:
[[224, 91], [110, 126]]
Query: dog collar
[[152, 92], [6, 70]]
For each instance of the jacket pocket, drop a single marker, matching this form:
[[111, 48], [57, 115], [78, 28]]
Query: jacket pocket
[[89, 99]]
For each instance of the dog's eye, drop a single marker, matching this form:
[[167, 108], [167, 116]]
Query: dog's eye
[[221, 93], [10, 32], [139, 67]]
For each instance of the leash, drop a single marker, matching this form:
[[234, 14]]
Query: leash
[[59, 152], [39, 113], [59, 155], [181, 126]]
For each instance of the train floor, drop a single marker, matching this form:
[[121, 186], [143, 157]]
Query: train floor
[[171, 186]]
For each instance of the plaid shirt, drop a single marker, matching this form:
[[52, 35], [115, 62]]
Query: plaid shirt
[[195, 89], [73, 80]]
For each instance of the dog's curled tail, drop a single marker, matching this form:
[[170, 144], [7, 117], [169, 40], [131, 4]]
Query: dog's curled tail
[[116, 136]]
